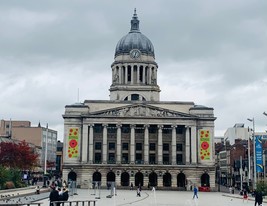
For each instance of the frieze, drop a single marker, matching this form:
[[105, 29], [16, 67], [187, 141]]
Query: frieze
[[140, 111]]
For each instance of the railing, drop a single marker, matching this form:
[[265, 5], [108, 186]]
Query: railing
[[75, 203]]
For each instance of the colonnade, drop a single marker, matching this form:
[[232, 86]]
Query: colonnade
[[134, 74], [87, 144]]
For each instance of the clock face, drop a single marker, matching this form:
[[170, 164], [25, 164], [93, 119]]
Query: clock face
[[135, 53]]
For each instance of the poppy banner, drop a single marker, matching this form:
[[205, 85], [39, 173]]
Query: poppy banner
[[73, 142], [204, 144]]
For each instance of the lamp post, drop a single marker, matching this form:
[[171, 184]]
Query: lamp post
[[226, 159], [249, 160], [45, 158], [254, 152]]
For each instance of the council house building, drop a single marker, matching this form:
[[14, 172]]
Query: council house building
[[134, 137]]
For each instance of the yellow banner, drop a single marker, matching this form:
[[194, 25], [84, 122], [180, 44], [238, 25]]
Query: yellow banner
[[73, 142], [205, 144]]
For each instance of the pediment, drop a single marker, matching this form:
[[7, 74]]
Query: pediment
[[141, 111]]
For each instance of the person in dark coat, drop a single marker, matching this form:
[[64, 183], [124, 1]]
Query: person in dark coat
[[258, 198], [54, 196], [65, 195]]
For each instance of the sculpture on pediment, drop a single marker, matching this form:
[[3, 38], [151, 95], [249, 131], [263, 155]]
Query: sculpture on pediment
[[141, 112]]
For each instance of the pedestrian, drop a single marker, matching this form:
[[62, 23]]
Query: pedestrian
[[54, 196], [230, 190], [131, 188], [138, 192], [245, 195], [37, 190], [195, 192], [258, 198], [65, 195]]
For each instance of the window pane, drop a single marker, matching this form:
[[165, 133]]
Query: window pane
[[179, 147], [165, 147], [152, 146], [139, 146]]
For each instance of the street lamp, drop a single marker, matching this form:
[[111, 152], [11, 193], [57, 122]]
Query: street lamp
[[254, 151], [226, 159]]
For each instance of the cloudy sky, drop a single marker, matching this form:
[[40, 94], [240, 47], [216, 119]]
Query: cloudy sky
[[210, 52]]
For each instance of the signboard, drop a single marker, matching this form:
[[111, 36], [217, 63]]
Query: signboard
[[73, 137], [204, 144], [258, 149]]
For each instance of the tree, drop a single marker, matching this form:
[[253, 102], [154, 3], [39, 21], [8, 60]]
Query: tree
[[18, 155]]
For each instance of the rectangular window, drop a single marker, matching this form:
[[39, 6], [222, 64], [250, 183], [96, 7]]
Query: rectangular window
[[166, 159], [111, 146], [98, 146], [98, 128], [97, 157], [125, 158], [112, 128], [165, 147], [179, 147], [152, 146], [179, 159], [125, 146], [152, 159], [153, 129], [138, 146], [125, 129], [179, 129], [167, 129], [111, 158], [138, 158]]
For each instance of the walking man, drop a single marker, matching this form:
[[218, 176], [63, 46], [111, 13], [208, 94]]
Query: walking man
[[195, 192]]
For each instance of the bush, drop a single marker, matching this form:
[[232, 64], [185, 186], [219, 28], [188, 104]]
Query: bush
[[9, 185], [262, 187], [4, 174]]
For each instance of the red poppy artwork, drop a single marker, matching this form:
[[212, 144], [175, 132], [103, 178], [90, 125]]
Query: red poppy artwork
[[73, 143], [205, 144]]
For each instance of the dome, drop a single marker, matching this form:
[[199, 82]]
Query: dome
[[134, 40]]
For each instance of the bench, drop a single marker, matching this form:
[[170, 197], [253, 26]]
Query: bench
[[76, 203]]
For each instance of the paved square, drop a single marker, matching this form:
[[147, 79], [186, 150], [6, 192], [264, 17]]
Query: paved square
[[157, 198]]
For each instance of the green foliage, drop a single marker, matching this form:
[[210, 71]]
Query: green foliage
[[4, 174], [10, 177], [15, 177], [262, 187]]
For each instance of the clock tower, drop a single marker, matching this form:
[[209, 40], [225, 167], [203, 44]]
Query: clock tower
[[134, 70]]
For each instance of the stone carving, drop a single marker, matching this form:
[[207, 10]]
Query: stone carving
[[140, 111], [153, 78], [116, 78]]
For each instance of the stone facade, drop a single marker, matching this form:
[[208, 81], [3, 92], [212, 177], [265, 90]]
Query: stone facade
[[134, 137]]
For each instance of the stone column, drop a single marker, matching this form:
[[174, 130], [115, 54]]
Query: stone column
[[91, 143], [132, 149], [132, 74], [149, 74], [105, 144], [146, 145], [193, 145], [120, 74], [138, 74], [118, 155], [160, 144], [85, 144], [174, 162], [126, 74], [187, 145], [144, 74]]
